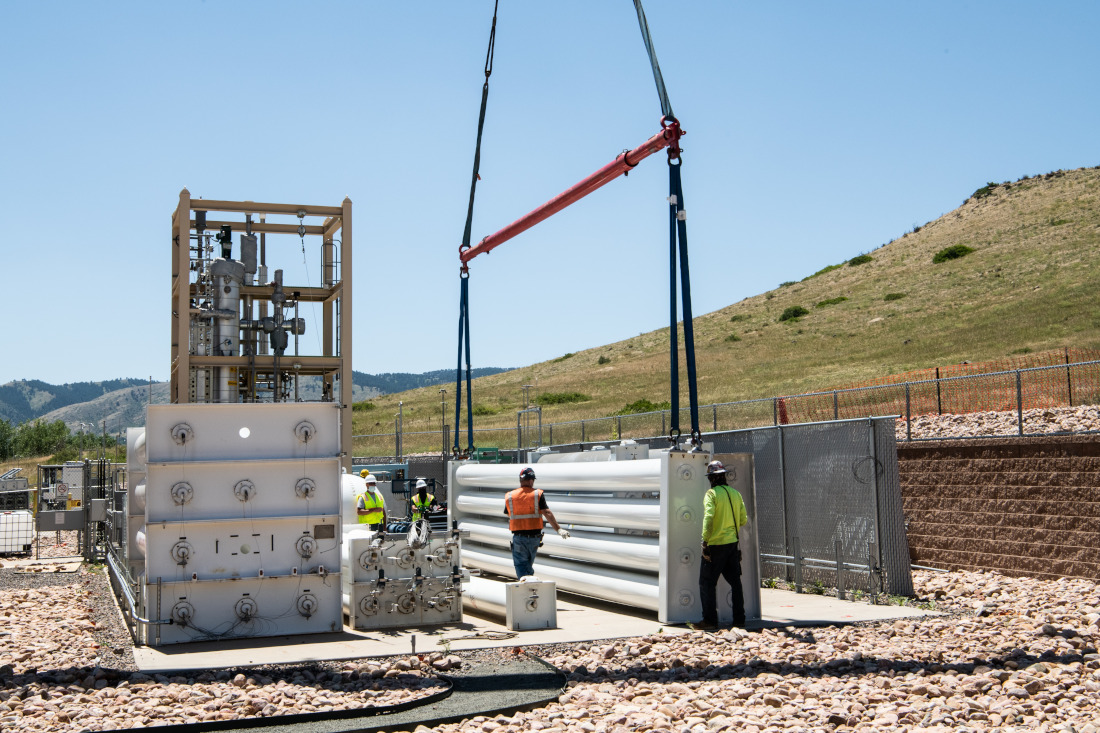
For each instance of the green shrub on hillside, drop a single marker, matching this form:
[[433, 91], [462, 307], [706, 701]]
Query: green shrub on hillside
[[640, 406], [859, 260], [822, 271], [562, 357], [986, 190], [785, 284], [793, 312], [603, 359], [831, 301], [561, 398], [733, 338], [953, 252], [362, 406], [738, 317], [484, 410], [893, 296]]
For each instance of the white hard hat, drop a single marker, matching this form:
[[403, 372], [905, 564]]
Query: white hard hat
[[421, 483], [371, 480]]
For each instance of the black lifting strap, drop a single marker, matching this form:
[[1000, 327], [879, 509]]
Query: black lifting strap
[[677, 251], [464, 302]]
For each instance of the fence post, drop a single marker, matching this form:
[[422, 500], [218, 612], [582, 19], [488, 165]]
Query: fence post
[[908, 416], [396, 441], [715, 417], [519, 438], [939, 404], [620, 422], [775, 410], [1019, 403], [582, 433], [1069, 379], [664, 431], [836, 407], [551, 433], [839, 571], [797, 555]]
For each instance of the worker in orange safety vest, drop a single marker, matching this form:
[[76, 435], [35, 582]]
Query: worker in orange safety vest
[[526, 508]]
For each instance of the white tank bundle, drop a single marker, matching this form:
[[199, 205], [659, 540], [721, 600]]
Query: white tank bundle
[[635, 525]]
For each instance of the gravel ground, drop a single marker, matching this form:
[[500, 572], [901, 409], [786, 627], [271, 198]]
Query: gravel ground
[[66, 664], [1010, 654], [1040, 421]]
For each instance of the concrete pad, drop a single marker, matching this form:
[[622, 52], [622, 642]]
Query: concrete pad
[[787, 608], [579, 619], [46, 566]]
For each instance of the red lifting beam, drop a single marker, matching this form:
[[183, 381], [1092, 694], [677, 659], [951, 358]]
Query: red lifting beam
[[668, 137]]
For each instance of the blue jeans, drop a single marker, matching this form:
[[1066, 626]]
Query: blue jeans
[[523, 554]]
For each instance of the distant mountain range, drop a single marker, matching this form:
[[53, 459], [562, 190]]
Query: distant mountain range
[[120, 403]]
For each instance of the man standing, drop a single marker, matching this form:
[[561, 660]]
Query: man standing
[[723, 516], [526, 508], [422, 501], [370, 506]]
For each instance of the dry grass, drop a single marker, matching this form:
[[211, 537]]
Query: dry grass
[[1031, 283]]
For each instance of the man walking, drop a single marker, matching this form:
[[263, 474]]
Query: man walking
[[723, 516], [526, 508]]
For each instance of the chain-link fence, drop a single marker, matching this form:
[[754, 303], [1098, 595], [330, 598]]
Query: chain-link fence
[[1013, 402]]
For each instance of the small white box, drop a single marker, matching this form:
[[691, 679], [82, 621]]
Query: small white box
[[530, 605]]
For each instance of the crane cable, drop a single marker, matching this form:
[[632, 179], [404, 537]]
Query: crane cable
[[677, 247], [464, 272]]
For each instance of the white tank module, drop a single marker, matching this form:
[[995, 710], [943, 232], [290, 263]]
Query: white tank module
[[238, 508], [636, 526]]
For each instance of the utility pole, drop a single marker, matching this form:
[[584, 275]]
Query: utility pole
[[443, 420]]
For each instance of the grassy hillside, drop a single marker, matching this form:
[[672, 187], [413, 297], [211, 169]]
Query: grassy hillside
[[1029, 284]]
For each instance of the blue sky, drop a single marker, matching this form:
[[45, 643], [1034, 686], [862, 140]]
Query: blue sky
[[815, 132]]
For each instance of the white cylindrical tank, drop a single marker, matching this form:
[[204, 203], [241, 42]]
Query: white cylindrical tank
[[595, 511], [625, 551], [228, 275], [485, 597], [641, 475], [628, 588], [139, 541]]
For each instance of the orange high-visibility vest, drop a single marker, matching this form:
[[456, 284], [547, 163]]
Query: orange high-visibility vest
[[523, 509]]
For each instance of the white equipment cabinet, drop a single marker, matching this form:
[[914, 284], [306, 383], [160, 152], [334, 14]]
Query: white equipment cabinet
[[531, 604], [398, 580], [235, 525]]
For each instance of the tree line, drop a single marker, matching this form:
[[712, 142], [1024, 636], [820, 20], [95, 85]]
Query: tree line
[[40, 438]]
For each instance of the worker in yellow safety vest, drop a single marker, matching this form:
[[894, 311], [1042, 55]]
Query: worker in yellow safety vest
[[370, 506], [422, 501], [526, 507]]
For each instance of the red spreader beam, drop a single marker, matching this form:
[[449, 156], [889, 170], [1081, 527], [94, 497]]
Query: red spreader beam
[[668, 137]]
